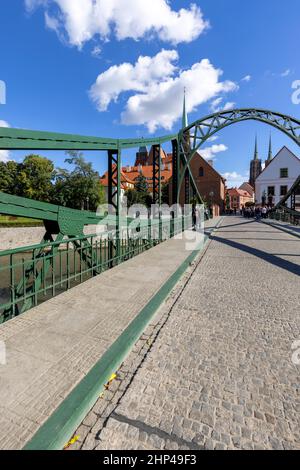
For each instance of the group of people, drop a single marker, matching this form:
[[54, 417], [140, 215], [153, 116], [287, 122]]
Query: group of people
[[256, 212]]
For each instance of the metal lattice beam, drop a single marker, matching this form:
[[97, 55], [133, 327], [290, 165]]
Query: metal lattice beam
[[19, 139], [195, 135], [156, 189]]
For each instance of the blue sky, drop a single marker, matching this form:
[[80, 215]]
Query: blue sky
[[52, 53]]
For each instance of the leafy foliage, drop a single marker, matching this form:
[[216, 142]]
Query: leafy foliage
[[140, 194], [79, 188], [36, 178]]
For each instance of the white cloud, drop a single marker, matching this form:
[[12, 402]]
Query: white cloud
[[4, 154], [209, 153], [247, 78], [229, 105], [286, 73], [96, 52], [234, 179], [216, 105], [213, 138], [81, 20], [158, 85]]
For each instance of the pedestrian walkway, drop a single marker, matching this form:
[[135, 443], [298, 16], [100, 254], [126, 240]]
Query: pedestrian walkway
[[216, 372], [52, 347]]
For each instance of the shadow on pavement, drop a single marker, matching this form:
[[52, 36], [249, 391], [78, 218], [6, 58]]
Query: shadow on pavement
[[276, 261]]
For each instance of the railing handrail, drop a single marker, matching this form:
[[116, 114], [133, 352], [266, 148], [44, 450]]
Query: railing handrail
[[38, 246]]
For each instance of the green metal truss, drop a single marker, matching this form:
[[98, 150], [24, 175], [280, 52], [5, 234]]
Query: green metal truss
[[68, 223], [195, 135], [18, 139]]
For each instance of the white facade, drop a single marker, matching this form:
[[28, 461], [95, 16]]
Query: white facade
[[277, 177]]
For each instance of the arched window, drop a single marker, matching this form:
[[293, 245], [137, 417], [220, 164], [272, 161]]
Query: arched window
[[201, 171]]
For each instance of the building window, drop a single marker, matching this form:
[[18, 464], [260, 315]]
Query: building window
[[271, 190], [284, 172], [201, 171], [283, 190]]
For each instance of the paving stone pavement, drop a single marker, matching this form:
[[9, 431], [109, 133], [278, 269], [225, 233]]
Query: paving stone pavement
[[214, 370], [52, 347]]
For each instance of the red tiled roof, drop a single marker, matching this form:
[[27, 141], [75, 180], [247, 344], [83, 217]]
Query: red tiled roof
[[130, 175], [238, 192], [124, 179]]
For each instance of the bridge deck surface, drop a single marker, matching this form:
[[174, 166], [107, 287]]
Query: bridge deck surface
[[219, 372], [53, 346]]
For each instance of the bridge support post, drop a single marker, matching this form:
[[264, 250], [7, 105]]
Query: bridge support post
[[156, 175], [156, 189], [114, 201], [175, 172], [187, 188]]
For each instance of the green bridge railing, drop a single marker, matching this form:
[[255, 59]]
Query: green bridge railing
[[31, 275], [284, 214]]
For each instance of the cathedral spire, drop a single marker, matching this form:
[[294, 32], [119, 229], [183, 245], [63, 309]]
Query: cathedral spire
[[255, 150], [270, 154], [184, 113]]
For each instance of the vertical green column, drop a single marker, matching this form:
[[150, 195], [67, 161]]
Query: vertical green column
[[156, 175], [114, 199], [175, 172]]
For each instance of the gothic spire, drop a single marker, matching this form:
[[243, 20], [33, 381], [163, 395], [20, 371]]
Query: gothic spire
[[255, 150], [184, 113], [270, 154]]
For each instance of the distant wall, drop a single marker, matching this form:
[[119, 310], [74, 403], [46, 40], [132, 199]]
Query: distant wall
[[17, 237]]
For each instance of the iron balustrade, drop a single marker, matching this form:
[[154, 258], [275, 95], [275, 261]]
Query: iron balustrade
[[283, 214], [31, 275]]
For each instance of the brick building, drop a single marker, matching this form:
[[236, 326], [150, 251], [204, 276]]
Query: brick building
[[210, 184], [238, 198]]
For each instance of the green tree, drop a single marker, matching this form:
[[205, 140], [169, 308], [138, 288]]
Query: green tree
[[142, 195], [8, 173], [34, 178], [79, 188], [141, 184], [133, 197]]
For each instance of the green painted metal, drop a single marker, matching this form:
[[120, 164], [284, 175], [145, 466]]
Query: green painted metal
[[291, 194], [288, 214], [196, 134], [64, 222], [20, 139], [114, 197], [156, 175], [39, 272], [61, 425]]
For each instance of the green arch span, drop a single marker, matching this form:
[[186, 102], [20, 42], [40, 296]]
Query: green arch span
[[192, 137]]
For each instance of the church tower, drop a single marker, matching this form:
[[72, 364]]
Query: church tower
[[142, 156], [270, 153], [255, 166]]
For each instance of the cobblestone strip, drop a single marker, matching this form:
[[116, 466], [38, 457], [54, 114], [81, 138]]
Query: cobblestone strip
[[91, 428], [218, 373]]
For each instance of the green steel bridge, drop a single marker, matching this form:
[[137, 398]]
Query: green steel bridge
[[65, 255]]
